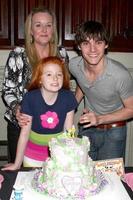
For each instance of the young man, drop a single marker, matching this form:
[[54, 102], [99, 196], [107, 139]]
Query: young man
[[108, 90]]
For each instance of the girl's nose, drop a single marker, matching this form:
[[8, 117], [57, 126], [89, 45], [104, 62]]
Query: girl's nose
[[55, 77]]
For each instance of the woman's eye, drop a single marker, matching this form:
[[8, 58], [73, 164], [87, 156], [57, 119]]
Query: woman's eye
[[37, 25], [49, 25]]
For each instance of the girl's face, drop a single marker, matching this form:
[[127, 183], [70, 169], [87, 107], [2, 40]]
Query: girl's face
[[42, 28], [52, 78]]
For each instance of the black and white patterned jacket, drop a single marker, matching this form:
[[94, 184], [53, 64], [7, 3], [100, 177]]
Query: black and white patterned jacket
[[17, 75]]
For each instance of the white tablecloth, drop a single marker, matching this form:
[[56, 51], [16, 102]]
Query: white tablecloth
[[113, 191]]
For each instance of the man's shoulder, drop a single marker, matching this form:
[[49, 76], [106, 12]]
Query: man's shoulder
[[115, 65], [114, 62], [76, 60], [117, 70]]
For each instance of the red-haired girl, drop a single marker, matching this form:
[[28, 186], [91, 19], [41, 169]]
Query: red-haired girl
[[50, 106]]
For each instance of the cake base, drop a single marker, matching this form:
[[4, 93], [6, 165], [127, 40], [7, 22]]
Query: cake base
[[69, 185], [114, 189]]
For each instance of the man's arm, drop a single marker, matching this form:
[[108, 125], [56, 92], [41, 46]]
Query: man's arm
[[122, 114], [79, 94]]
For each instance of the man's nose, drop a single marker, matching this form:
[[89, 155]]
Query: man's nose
[[92, 47]]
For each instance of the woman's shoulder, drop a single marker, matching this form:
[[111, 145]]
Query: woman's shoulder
[[17, 51]]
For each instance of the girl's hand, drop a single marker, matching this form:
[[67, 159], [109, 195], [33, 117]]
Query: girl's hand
[[22, 118], [10, 167]]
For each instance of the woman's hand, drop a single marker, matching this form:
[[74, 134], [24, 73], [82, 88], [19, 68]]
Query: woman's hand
[[22, 118]]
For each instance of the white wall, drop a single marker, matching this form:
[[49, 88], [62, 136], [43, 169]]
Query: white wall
[[125, 58], [3, 133], [3, 56]]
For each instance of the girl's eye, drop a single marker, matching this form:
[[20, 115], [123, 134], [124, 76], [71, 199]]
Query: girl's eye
[[60, 75], [48, 74]]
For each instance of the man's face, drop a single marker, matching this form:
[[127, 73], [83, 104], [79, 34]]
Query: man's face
[[93, 51]]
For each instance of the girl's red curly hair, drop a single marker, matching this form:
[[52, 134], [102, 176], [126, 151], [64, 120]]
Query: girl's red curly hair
[[38, 71]]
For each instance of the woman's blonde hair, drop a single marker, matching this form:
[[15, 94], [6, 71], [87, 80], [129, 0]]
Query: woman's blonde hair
[[38, 71], [29, 41]]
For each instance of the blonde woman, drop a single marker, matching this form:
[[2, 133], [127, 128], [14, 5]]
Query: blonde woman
[[40, 42]]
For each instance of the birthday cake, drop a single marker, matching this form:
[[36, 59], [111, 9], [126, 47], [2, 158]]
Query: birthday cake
[[69, 173]]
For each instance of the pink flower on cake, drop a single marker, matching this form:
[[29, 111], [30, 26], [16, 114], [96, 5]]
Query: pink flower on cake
[[49, 120]]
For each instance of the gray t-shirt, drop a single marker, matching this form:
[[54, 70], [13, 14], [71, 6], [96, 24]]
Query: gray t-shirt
[[106, 93]]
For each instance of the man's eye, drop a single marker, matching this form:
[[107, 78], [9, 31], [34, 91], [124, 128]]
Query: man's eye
[[99, 42], [85, 43]]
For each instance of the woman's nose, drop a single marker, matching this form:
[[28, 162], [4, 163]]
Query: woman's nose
[[44, 28]]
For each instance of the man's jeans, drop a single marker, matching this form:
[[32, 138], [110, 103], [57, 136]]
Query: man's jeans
[[106, 144]]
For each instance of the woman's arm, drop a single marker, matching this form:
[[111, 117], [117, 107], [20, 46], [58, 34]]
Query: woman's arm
[[23, 119], [12, 81]]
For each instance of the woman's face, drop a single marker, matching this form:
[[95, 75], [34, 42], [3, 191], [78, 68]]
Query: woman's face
[[42, 28]]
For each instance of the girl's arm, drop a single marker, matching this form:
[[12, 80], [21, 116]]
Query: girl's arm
[[22, 142], [69, 121]]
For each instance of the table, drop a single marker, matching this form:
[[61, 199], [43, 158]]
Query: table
[[10, 177]]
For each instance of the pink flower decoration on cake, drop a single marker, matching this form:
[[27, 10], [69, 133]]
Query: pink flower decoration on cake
[[49, 120]]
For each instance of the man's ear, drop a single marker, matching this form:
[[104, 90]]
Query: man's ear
[[106, 46], [79, 48]]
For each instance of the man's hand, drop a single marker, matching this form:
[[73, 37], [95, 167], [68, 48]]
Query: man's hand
[[88, 119]]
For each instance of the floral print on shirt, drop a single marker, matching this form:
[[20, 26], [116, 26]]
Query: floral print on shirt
[[49, 120]]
